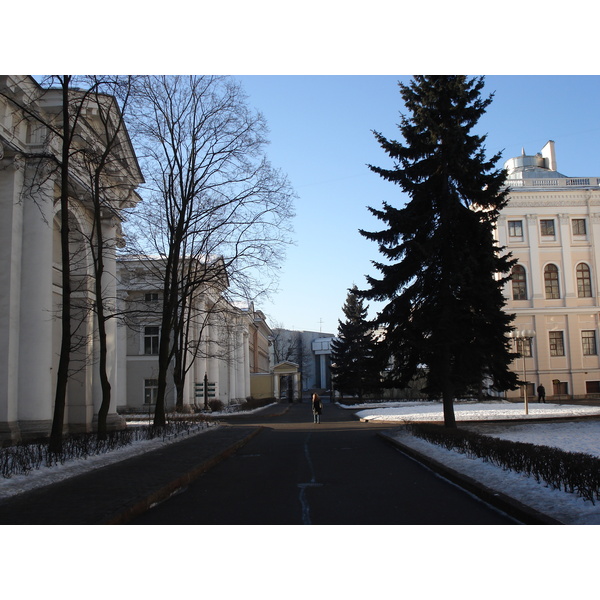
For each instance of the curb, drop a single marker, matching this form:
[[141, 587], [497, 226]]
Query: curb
[[141, 506], [525, 514]]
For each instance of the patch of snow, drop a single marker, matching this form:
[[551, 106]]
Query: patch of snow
[[470, 411]]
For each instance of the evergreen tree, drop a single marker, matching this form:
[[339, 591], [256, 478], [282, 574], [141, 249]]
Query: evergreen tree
[[354, 364], [443, 275]]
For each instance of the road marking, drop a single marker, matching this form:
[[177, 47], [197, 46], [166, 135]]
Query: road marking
[[313, 483]]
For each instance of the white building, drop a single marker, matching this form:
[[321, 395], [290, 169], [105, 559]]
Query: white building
[[552, 226], [30, 256], [222, 340]]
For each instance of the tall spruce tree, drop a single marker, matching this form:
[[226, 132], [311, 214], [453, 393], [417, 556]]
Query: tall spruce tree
[[354, 358], [443, 275]]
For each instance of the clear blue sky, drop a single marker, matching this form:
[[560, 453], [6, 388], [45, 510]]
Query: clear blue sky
[[303, 65], [320, 131]]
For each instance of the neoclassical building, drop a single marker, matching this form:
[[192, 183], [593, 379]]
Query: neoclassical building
[[551, 225], [226, 344], [30, 255]]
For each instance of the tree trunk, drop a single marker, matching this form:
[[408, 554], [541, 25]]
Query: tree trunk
[[62, 375]]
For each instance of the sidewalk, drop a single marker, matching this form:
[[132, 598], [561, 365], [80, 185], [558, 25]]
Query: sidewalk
[[116, 493]]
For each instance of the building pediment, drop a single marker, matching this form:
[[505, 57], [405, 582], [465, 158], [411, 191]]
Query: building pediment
[[286, 367]]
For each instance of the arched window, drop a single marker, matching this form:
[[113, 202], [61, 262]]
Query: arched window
[[519, 283], [551, 282], [584, 281]]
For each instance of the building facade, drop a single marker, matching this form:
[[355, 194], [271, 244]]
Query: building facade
[[310, 351], [224, 343], [551, 225], [31, 255]]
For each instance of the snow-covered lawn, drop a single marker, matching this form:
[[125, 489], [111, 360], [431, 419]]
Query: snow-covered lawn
[[468, 411], [580, 436]]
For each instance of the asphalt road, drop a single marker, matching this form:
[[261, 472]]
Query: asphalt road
[[339, 472]]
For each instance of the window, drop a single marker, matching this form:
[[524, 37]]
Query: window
[[560, 388], [584, 281], [150, 391], [519, 283], [557, 344], [151, 297], [151, 340], [551, 282], [515, 229], [589, 343], [578, 226], [547, 227], [592, 387], [524, 347]]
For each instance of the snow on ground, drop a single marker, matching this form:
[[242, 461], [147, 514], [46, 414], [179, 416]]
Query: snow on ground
[[580, 436], [469, 411]]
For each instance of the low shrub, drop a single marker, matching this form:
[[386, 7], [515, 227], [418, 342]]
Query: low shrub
[[24, 457], [574, 472], [215, 405]]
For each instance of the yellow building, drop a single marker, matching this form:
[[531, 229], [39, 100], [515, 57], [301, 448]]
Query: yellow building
[[551, 225]]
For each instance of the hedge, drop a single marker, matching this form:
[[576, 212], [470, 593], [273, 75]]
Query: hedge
[[574, 472]]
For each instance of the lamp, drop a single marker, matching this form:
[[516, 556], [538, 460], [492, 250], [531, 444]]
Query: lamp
[[523, 336]]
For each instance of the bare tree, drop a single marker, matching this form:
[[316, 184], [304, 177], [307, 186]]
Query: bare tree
[[78, 142], [211, 193], [105, 164]]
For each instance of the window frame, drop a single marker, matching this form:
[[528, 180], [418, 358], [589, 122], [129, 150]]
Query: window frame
[[151, 386], [151, 340], [519, 283], [584, 283], [552, 282], [513, 224], [545, 226], [557, 348], [588, 342], [575, 224]]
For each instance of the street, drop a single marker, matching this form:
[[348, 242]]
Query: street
[[339, 472]]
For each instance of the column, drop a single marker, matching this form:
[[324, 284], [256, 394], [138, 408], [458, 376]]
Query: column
[[37, 378], [11, 223], [536, 270], [567, 269]]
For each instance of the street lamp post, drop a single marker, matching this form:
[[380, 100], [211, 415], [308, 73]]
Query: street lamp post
[[524, 336]]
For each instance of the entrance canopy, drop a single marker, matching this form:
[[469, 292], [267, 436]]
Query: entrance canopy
[[291, 371]]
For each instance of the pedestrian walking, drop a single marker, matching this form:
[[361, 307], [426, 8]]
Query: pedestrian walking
[[317, 407], [541, 392]]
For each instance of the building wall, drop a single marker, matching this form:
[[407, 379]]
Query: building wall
[[310, 350], [539, 196], [30, 264], [230, 339]]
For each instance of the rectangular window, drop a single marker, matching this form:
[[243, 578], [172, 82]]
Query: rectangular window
[[589, 343], [547, 227], [515, 229], [524, 347], [592, 387], [151, 297], [578, 226], [151, 340], [560, 388], [557, 345], [150, 391]]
